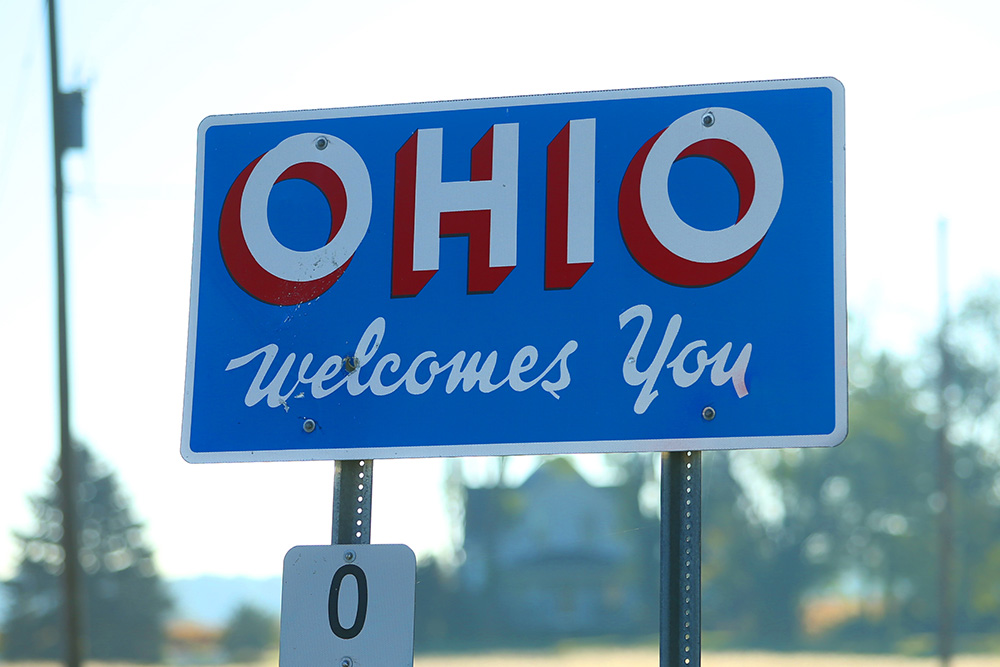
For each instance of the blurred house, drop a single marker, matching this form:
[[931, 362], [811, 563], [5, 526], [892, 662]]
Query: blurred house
[[560, 557]]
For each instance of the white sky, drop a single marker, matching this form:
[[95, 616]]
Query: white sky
[[922, 99]]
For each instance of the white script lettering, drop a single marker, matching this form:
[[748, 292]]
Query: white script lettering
[[682, 377], [464, 371]]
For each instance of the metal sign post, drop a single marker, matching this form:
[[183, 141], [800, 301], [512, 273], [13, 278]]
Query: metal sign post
[[350, 603], [680, 559], [352, 502]]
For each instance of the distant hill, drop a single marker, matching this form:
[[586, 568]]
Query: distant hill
[[212, 600], [209, 600]]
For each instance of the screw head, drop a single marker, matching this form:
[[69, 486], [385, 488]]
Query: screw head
[[346, 662], [708, 119], [708, 414], [322, 143], [350, 556], [309, 425]]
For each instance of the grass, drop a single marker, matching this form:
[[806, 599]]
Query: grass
[[641, 657], [649, 657]]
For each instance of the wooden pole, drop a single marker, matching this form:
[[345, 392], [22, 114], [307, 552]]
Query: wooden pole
[[67, 461], [946, 468]]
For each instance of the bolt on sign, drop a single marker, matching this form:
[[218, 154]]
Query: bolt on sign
[[636, 270]]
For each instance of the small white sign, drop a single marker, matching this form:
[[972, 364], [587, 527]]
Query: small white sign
[[348, 605]]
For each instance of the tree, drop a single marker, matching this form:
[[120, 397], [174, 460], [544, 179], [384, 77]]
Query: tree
[[249, 633], [972, 343], [862, 519], [125, 601], [782, 526]]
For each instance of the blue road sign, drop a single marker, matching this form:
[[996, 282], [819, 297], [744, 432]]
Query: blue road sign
[[639, 270]]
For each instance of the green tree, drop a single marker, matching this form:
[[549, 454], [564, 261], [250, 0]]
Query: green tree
[[784, 525], [972, 342], [755, 536], [878, 496], [249, 632], [124, 599], [862, 519], [973, 345]]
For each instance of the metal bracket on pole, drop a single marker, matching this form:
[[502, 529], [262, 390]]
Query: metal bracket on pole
[[680, 559], [352, 502]]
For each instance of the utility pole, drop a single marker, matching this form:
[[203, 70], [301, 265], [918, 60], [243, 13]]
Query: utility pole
[[66, 118], [946, 467]]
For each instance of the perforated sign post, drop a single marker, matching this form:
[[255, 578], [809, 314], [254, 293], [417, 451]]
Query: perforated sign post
[[640, 270]]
